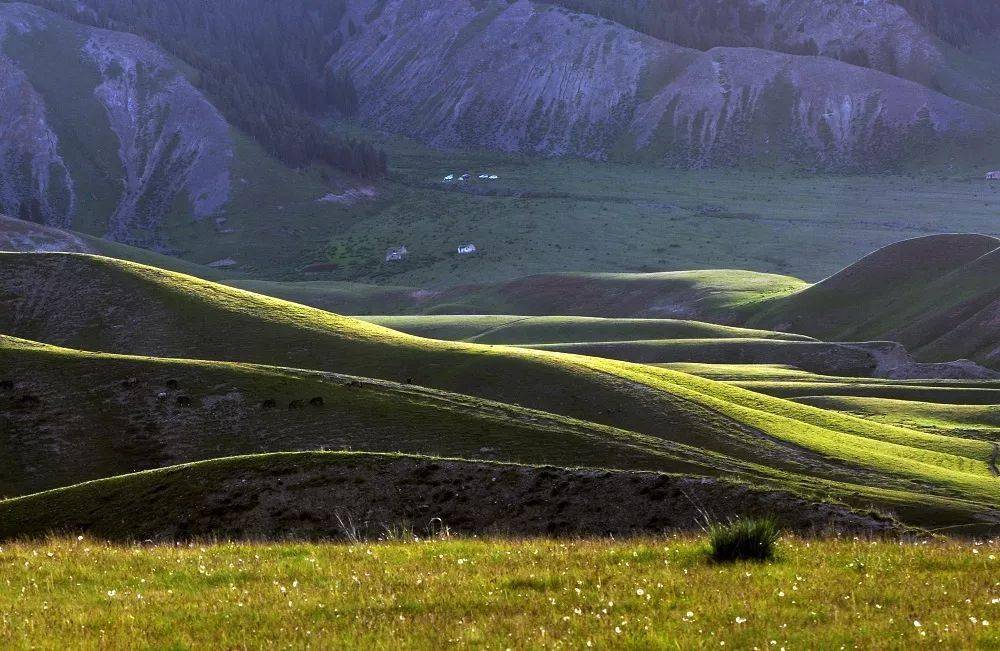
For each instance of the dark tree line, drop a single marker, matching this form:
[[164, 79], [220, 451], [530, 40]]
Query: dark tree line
[[960, 22], [264, 63], [704, 24], [698, 24]]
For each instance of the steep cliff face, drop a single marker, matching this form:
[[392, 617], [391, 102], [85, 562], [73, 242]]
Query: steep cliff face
[[170, 144], [733, 104], [34, 181], [514, 77], [917, 40], [172, 141], [530, 77]]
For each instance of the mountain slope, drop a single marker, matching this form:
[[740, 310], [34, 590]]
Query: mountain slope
[[103, 304], [487, 74], [922, 41], [104, 132]]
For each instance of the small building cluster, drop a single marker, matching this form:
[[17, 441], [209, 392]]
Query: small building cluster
[[467, 176], [397, 254], [993, 176]]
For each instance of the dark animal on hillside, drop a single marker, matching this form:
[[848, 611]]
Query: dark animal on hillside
[[28, 401]]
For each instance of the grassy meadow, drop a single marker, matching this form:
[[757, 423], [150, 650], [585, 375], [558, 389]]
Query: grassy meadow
[[645, 593], [542, 215]]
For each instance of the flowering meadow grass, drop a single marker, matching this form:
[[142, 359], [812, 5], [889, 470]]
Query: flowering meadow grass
[[500, 594]]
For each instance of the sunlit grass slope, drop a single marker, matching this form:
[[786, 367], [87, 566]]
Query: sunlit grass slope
[[102, 304], [652, 593], [102, 414], [841, 359], [70, 416], [960, 420], [794, 383], [528, 330]]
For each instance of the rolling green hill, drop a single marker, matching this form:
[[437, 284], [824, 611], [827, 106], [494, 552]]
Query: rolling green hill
[[102, 304], [69, 416], [653, 341], [517, 330], [673, 294], [354, 495], [793, 383], [974, 421], [938, 295]]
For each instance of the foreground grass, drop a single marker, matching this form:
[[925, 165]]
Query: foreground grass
[[654, 592]]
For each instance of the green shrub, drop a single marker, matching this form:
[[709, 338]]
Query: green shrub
[[744, 539]]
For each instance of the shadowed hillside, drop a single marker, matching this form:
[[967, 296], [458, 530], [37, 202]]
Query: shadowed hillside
[[352, 496], [937, 295]]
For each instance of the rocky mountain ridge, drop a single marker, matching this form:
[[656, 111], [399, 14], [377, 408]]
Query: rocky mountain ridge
[[105, 133], [493, 74]]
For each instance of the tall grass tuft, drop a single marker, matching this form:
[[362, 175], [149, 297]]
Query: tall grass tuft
[[748, 539]]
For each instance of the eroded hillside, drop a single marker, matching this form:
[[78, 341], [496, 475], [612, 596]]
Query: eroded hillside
[[101, 131], [917, 40], [492, 74]]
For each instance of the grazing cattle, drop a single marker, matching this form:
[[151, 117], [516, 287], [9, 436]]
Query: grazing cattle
[[269, 404], [173, 384], [184, 401], [129, 382], [316, 402], [6, 385], [295, 404]]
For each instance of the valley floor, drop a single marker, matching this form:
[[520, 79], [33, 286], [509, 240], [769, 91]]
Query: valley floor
[[646, 593]]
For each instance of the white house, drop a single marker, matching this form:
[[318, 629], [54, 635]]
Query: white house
[[466, 249], [394, 255], [993, 176]]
